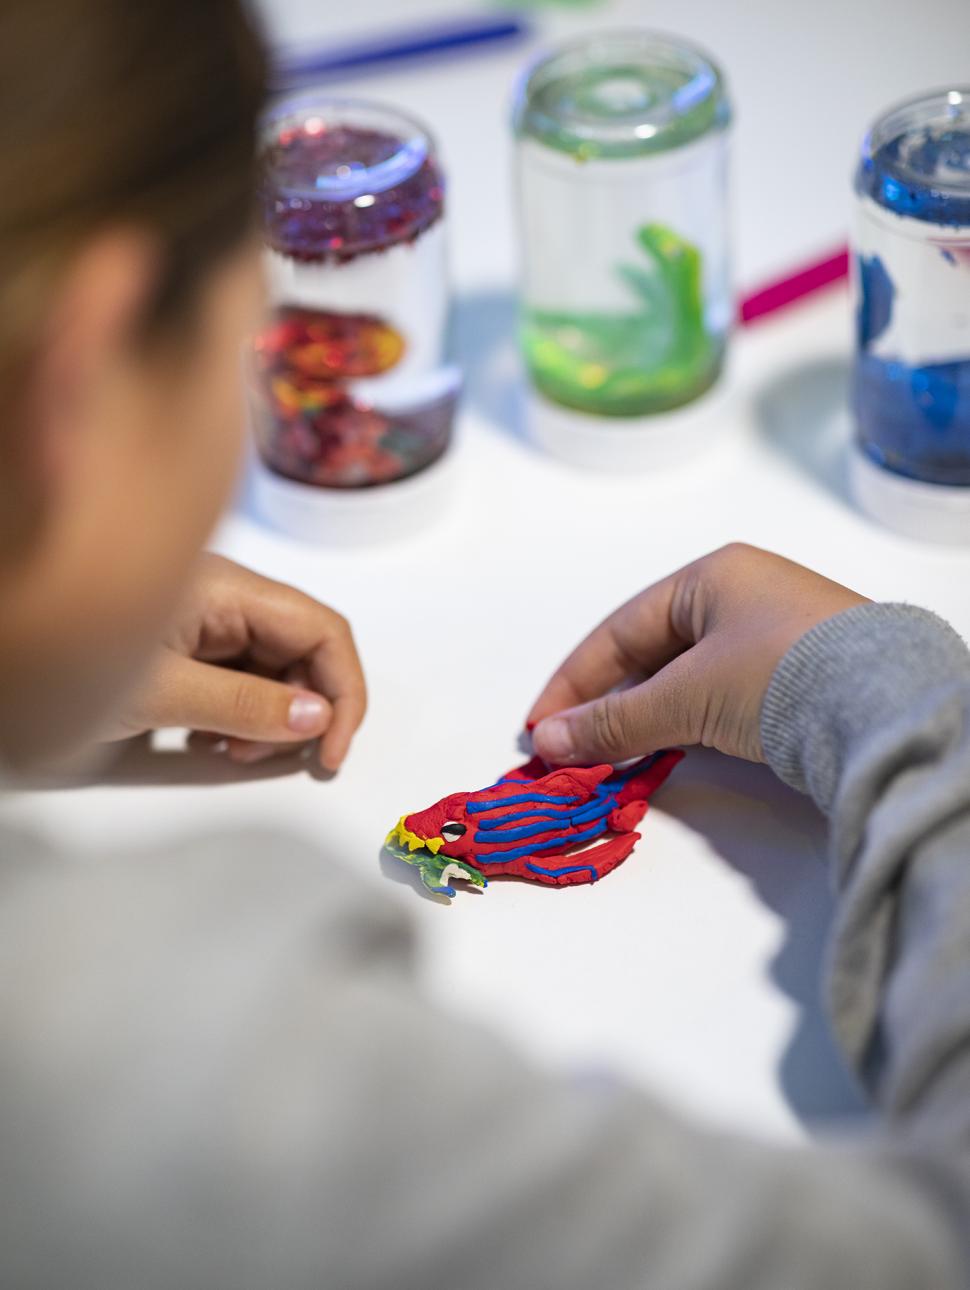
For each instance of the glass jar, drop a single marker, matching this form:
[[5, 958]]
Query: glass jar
[[350, 387], [622, 178], [911, 379]]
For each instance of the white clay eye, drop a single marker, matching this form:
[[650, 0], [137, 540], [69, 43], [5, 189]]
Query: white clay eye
[[452, 830]]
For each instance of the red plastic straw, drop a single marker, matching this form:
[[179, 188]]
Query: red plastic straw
[[794, 286]]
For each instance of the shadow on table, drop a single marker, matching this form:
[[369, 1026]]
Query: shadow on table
[[777, 840], [484, 331], [139, 763], [802, 413]]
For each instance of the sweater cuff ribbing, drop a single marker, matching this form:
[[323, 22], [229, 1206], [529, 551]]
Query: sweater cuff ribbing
[[846, 678]]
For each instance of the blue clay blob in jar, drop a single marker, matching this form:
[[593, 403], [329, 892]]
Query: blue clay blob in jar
[[350, 385], [911, 380]]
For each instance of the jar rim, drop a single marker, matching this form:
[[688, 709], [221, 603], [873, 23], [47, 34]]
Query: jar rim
[[416, 143], [900, 169], [612, 115]]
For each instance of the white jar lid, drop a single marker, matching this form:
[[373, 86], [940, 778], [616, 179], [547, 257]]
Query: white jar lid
[[630, 443], [927, 512], [342, 517]]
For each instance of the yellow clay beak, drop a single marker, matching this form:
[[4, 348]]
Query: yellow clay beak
[[403, 837]]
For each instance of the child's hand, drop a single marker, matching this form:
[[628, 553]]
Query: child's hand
[[708, 638], [255, 663]]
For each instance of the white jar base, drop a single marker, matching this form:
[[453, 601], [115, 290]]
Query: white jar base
[[339, 517], [629, 443], [928, 512]]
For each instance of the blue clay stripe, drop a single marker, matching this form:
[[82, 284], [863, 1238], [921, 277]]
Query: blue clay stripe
[[550, 813], [617, 777], [604, 790], [589, 812], [494, 855], [501, 836], [476, 808], [601, 791], [515, 816], [596, 811]]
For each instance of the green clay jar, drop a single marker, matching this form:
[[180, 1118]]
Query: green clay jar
[[622, 150]]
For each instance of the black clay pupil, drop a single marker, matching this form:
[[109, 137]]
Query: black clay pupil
[[453, 830]]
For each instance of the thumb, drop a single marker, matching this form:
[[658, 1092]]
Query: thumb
[[658, 713], [202, 696]]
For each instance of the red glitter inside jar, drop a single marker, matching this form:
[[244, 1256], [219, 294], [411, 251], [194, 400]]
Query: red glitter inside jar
[[350, 388], [308, 425]]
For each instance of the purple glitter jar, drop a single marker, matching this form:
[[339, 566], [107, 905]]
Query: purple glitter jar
[[350, 386]]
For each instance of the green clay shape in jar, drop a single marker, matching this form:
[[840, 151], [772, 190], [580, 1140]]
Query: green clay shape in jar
[[622, 181]]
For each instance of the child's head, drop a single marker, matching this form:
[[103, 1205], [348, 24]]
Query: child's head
[[128, 278]]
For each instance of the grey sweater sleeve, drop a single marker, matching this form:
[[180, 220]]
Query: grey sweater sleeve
[[216, 1070], [870, 712]]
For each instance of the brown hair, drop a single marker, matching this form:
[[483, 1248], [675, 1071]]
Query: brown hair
[[117, 111]]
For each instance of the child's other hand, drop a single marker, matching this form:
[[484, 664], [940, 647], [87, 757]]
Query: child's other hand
[[707, 639], [257, 664]]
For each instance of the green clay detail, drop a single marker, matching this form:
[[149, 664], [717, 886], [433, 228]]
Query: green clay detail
[[657, 356], [432, 868]]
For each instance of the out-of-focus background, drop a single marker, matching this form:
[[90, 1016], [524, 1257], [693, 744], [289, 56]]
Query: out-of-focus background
[[806, 81]]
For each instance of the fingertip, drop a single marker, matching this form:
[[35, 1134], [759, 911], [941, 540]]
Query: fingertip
[[553, 740], [334, 748], [331, 759], [349, 712], [308, 713]]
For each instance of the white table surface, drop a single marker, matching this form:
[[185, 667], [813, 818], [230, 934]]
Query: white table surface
[[694, 967]]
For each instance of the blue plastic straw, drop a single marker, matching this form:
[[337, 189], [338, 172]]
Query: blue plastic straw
[[441, 40]]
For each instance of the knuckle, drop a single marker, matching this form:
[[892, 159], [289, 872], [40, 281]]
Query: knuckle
[[609, 724], [682, 604], [678, 708], [246, 705], [707, 721], [734, 552]]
